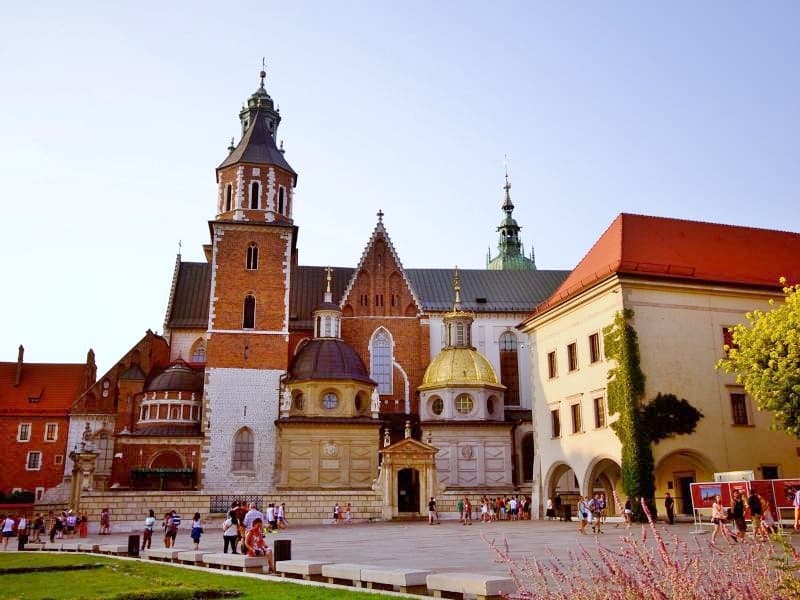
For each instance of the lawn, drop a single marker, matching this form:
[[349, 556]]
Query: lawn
[[100, 577]]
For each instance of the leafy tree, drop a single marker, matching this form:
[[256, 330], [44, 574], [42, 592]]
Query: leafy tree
[[666, 416], [765, 356]]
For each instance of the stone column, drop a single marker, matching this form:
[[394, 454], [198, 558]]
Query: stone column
[[82, 475]]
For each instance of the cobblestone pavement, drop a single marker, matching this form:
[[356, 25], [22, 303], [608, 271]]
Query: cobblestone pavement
[[449, 546]]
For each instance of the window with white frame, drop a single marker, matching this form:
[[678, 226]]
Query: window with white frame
[[24, 432], [51, 432], [58, 459], [381, 360], [33, 462]]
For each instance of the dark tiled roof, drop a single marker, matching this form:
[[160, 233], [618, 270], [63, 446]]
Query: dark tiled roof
[[327, 358], [190, 304], [257, 146], [308, 289], [180, 377], [512, 291]]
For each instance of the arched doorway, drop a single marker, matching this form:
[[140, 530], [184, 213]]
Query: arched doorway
[[604, 476], [562, 487], [676, 471], [408, 491]]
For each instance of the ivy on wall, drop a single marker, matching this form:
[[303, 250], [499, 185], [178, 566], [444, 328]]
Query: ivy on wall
[[625, 392]]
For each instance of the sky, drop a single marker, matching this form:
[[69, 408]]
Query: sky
[[114, 116]]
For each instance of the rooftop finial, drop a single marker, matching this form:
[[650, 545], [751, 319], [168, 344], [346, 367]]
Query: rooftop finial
[[263, 73], [328, 271], [232, 147], [457, 290], [281, 150], [180, 243], [508, 206], [380, 216]]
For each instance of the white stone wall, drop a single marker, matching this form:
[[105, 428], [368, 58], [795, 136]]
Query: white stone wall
[[236, 398], [77, 425], [181, 342], [471, 457]]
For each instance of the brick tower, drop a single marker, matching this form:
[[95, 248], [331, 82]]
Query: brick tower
[[252, 246]]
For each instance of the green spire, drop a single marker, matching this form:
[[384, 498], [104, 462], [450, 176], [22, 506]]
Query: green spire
[[511, 256]]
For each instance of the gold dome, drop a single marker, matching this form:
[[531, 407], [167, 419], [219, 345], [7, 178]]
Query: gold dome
[[459, 367]]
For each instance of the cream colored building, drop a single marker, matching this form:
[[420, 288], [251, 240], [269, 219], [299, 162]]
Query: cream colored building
[[686, 282]]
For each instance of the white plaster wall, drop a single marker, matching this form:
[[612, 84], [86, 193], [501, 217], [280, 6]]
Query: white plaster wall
[[573, 322], [228, 392], [77, 425], [181, 342]]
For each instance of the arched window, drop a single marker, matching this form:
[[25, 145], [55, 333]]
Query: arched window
[[228, 196], [327, 329], [281, 199], [509, 368], [255, 187], [252, 257], [199, 355], [249, 320], [381, 360], [243, 450], [104, 447]]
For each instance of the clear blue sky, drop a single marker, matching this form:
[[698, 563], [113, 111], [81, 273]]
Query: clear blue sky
[[113, 118]]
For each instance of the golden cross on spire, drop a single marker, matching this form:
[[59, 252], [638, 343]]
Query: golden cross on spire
[[328, 271]]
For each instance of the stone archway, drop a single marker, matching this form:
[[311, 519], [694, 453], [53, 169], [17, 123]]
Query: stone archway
[[604, 475], [676, 471], [562, 486], [408, 471]]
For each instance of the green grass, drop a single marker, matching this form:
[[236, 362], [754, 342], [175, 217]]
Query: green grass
[[117, 577]]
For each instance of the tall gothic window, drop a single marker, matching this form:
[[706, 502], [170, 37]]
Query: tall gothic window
[[254, 189], [381, 360], [249, 320], [252, 257], [243, 450], [281, 199], [509, 369], [228, 196]]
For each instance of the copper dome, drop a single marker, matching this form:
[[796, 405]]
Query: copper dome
[[180, 377], [327, 358]]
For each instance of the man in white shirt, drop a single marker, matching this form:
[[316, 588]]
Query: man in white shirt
[[270, 517], [252, 515]]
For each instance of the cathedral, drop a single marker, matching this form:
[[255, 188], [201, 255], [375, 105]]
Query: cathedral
[[272, 376]]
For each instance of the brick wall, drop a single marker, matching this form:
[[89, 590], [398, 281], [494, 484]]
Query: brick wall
[[13, 458]]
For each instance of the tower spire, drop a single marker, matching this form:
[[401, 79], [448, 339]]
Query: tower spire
[[511, 255], [457, 290]]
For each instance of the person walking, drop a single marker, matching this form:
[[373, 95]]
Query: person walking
[[197, 530], [669, 504], [584, 514], [252, 514], [718, 519], [337, 513], [557, 503], [796, 505], [467, 511], [550, 512], [8, 529], [255, 544], [105, 522], [22, 529], [348, 514], [737, 512], [281, 510], [756, 512], [147, 532], [460, 509], [170, 530], [230, 532], [596, 508]]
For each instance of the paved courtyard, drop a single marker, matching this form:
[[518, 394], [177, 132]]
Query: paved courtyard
[[449, 546]]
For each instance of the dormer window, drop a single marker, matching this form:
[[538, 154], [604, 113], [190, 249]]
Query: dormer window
[[252, 257], [255, 193], [228, 196]]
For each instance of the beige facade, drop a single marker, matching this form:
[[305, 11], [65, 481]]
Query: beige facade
[[680, 330]]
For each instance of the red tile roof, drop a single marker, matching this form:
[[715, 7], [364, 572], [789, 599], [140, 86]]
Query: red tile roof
[[694, 251], [55, 385]]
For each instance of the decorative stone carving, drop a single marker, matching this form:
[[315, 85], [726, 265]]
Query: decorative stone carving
[[467, 452]]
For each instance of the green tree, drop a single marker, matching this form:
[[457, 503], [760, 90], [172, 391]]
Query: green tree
[[765, 356], [666, 416]]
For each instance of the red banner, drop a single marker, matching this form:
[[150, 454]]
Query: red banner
[[785, 490], [779, 493]]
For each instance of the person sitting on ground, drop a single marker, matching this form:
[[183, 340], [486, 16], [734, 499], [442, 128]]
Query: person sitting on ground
[[255, 544]]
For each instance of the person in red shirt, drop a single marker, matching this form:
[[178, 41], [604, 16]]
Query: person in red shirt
[[255, 544]]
